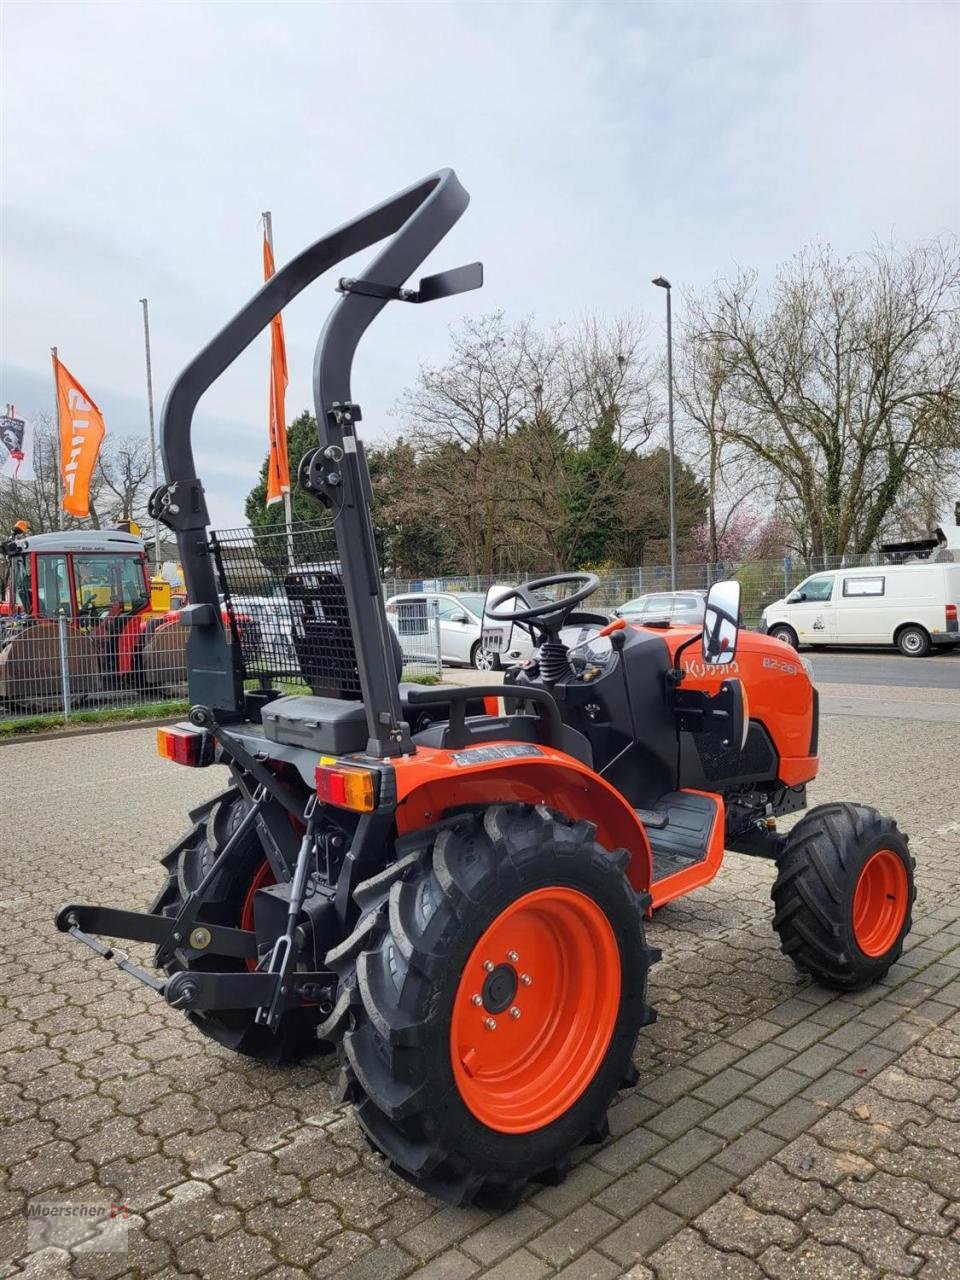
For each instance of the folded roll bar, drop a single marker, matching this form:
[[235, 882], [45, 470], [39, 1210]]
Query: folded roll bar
[[416, 219]]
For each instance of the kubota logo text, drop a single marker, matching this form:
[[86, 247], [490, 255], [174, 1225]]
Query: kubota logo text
[[700, 670]]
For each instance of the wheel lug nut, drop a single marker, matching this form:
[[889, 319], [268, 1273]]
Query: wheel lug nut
[[476, 1000], [490, 1024], [514, 1012], [488, 965], [512, 957], [526, 979]]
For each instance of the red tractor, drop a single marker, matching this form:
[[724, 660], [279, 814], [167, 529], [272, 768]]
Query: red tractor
[[453, 892], [95, 588]]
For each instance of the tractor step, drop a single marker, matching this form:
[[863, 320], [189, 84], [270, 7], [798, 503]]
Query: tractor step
[[681, 838]]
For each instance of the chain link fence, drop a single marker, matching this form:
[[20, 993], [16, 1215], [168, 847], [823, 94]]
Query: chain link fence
[[81, 667], [762, 581], [68, 666]]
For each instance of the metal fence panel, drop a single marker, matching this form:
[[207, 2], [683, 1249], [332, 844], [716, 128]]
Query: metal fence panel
[[70, 665], [762, 581], [77, 663]]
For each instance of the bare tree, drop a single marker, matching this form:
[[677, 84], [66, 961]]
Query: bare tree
[[704, 391], [590, 402], [119, 486], [124, 470], [34, 497], [522, 434], [845, 383], [466, 410]]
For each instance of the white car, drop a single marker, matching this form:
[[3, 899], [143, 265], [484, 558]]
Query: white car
[[467, 638], [680, 608], [414, 618], [275, 630], [511, 641], [913, 606]]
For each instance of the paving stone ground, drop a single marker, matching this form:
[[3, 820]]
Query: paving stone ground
[[777, 1131]]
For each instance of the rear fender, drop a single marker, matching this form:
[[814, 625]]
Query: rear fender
[[434, 781]]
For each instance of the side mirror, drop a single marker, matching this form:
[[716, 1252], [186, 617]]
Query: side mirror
[[721, 623], [459, 617], [794, 597]]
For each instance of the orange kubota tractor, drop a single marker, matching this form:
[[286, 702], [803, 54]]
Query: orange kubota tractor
[[453, 892]]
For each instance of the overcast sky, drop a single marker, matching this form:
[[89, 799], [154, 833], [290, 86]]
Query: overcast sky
[[602, 144]]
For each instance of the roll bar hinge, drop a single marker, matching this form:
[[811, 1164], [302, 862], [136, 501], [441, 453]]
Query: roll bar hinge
[[320, 471], [180, 505]]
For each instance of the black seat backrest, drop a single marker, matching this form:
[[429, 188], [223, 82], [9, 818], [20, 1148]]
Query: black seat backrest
[[322, 639]]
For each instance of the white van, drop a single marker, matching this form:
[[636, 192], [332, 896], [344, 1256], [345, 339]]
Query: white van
[[913, 606]]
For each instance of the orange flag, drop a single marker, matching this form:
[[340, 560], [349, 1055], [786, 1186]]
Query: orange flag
[[81, 434], [278, 467]]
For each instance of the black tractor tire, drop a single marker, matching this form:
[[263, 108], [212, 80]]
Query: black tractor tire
[[913, 641], [822, 892], [405, 971], [787, 634], [491, 662], [186, 864]]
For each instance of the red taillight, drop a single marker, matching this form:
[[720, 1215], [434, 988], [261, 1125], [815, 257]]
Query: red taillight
[[345, 787], [183, 745], [951, 613]]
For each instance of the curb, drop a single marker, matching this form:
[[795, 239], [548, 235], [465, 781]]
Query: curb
[[54, 734]]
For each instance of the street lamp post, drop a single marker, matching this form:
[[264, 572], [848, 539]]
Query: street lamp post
[[662, 283], [153, 434]]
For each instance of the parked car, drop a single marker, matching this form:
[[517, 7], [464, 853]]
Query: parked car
[[913, 606], [460, 622], [275, 631], [512, 641], [681, 608]]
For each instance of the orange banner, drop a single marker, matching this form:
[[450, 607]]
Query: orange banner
[[81, 434], [278, 467]]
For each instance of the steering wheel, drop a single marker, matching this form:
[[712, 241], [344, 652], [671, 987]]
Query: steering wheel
[[551, 611]]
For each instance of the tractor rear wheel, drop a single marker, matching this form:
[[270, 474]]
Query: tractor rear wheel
[[490, 1000], [843, 895], [229, 901]]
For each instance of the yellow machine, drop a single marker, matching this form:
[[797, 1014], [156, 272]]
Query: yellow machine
[[161, 594]]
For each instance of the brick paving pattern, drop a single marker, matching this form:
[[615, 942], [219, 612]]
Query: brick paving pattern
[[776, 1132]]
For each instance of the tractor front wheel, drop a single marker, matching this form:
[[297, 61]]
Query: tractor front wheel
[[843, 895], [491, 997]]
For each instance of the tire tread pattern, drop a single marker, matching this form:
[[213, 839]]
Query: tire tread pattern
[[812, 894], [185, 864], [390, 1022]]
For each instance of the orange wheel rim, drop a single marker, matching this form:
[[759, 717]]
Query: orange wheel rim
[[263, 877], [880, 902], [535, 1010]]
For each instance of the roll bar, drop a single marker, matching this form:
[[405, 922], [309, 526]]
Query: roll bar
[[417, 219]]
